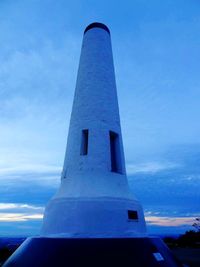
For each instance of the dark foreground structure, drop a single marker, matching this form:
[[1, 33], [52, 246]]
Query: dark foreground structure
[[94, 219], [104, 252]]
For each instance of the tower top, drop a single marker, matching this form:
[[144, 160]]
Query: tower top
[[96, 25]]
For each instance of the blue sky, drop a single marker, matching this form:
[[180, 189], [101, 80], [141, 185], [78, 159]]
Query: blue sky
[[156, 48]]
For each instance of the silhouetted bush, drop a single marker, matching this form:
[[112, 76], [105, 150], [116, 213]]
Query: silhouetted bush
[[196, 224], [189, 239]]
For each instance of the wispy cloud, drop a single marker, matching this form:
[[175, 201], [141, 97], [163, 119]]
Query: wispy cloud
[[169, 221], [15, 212], [30, 168], [150, 167], [40, 174], [19, 217], [7, 206]]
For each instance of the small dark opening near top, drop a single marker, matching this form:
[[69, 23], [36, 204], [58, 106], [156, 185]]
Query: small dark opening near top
[[132, 215], [115, 153], [84, 142], [97, 25]]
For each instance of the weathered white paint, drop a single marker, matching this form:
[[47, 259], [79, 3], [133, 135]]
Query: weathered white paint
[[93, 201]]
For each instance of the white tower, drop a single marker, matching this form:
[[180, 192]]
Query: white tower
[[94, 199]]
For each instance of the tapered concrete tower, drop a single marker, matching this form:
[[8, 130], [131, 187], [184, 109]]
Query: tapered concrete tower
[[94, 220], [94, 199]]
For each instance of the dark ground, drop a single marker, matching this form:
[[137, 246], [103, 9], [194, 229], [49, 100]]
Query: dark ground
[[189, 256]]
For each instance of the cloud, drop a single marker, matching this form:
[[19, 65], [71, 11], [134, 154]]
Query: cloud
[[16, 212], [32, 188], [150, 167], [19, 217], [6, 206], [169, 221], [30, 168], [28, 174]]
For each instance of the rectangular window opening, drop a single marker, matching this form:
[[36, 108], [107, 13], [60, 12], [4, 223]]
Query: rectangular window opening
[[84, 142], [132, 215], [115, 153]]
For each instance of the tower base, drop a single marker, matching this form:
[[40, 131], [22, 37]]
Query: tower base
[[104, 252], [94, 217]]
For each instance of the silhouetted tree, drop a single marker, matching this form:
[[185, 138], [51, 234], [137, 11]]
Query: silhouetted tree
[[196, 224], [189, 239]]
